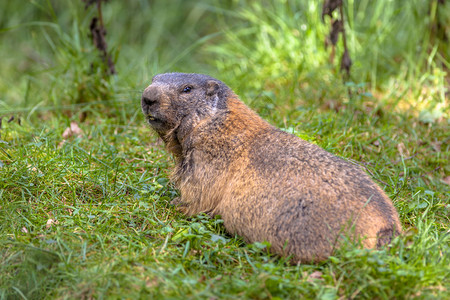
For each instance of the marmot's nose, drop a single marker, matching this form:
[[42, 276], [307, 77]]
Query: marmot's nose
[[150, 95]]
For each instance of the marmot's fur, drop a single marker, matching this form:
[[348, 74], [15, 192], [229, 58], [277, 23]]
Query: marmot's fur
[[268, 185]]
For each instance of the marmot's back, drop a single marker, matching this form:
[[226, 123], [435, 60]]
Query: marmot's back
[[266, 184]]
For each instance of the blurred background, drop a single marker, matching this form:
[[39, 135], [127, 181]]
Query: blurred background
[[272, 53]]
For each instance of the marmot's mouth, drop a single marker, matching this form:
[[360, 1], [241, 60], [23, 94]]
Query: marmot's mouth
[[153, 121], [151, 118]]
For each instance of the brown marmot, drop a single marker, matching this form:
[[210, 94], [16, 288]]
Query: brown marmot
[[266, 184]]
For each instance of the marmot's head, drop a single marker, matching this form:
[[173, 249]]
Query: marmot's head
[[177, 98]]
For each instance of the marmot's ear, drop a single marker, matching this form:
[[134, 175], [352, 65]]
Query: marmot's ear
[[212, 88]]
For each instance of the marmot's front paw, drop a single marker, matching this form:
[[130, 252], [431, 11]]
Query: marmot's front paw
[[176, 201], [179, 205]]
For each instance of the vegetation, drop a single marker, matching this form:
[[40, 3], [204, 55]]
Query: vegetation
[[86, 214]]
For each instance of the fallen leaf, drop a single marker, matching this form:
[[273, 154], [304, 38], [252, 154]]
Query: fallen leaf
[[446, 180], [73, 130], [436, 146], [402, 149], [315, 275], [50, 222]]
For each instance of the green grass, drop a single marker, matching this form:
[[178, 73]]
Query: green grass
[[90, 217]]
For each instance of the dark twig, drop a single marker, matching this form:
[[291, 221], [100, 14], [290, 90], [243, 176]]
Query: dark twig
[[337, 27], [405, 158], [346, 62], [427, 173], [98, 33]]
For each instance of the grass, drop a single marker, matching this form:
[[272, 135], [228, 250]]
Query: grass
[[90, 216]]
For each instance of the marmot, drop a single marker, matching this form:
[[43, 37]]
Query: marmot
[[266, 184]]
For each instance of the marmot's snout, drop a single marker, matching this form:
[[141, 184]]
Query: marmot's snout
[[150, 97], [150, 104]]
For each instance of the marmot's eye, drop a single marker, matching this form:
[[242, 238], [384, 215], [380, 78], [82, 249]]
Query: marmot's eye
[[187, 89]]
